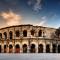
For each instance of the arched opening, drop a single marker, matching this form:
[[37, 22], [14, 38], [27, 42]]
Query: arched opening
[[0, 49], [5, 48], [17, 48], [54, 48], [47, 48], [11, 34], [25, 33], [40, 33], [58, 48], [24, 48], [32, 32], [32, 49], [40, 48], [10, 48], [5, 35], [0, 35], [17, 33]]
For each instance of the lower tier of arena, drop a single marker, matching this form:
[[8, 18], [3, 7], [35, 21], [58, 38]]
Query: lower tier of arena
[[29, 45]]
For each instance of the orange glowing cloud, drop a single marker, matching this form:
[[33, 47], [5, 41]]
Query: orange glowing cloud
[[11, 18]]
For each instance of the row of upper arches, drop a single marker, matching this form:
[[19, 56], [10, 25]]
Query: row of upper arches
[[17, 34], [5, 35]]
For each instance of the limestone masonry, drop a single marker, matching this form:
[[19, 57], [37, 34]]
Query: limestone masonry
[[28, 39]]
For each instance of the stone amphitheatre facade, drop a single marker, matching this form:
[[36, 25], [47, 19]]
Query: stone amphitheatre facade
[[28, 39]]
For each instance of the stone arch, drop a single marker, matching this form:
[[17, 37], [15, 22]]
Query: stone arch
[[32, 48], [17, 33], [17, 43], [17, 48], [24, 48], [0, 48], [54, 48], [25, 33], [5, 35], [58, 48], [40, 48], [0, 35], [32, 32], [5, 48], [25, 42], [48, 48], [11, 35], [10, 48], [40, 33]]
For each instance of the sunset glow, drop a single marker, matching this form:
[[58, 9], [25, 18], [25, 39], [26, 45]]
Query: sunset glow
[[11, 18]]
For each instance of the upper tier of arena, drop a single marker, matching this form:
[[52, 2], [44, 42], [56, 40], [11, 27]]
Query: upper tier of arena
[[27, 30]]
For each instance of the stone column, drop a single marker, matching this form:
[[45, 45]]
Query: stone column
[[57, 48], [36, 33], [37, 48], [2, 48], [44, 48], [28, 49], [42, 34], [51, 48], [21, 49], [28, 34], [7, 48], [7, 35], [13, 49]]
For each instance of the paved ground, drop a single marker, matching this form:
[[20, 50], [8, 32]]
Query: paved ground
[[35, 56]]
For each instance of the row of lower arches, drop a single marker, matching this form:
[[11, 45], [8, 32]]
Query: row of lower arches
[[32, 48]]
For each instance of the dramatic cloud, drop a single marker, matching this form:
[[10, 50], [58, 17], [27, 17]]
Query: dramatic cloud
[[43, 21], [36, 5], [11, 18]]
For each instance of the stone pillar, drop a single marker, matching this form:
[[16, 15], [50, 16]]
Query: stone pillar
[[21, 49], [7, 48], [28, 49], [44, 48], [37, 48], [3, 36], [42, 34], [13, 49], [51, 48], [57, 48], [28, 34], [7, 35], [36, 33], [14, 37], [2, 48]]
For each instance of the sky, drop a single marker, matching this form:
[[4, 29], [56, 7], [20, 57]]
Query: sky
[[36, 12]]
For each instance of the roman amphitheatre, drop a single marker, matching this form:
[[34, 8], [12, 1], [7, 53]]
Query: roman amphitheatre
[[28, 39]]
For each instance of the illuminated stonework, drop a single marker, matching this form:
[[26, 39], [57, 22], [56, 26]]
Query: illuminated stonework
[[28, 39]]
